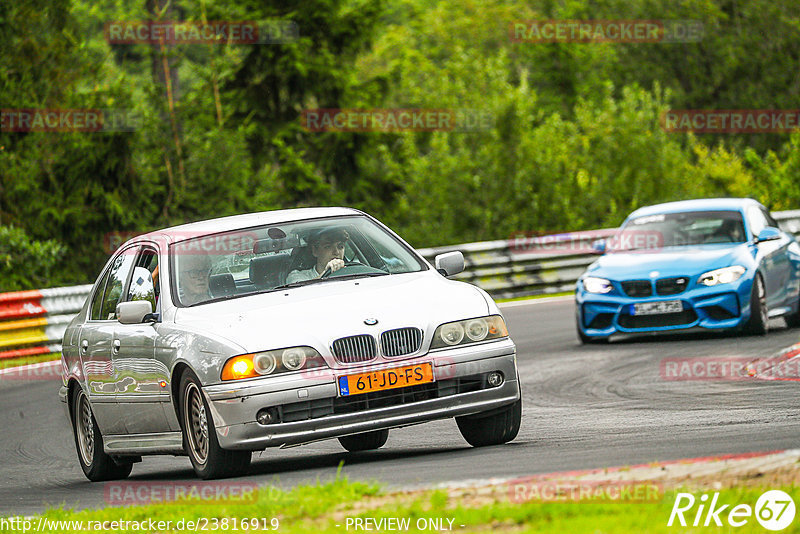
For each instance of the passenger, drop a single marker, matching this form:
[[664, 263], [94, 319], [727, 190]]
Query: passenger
[[327, 248], [195, 272]]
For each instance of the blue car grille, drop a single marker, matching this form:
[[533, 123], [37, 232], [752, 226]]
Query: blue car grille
[[637, 288], [659, 320], [672, 286]]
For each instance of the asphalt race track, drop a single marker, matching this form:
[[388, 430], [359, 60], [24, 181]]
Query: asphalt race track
[[584, 407]]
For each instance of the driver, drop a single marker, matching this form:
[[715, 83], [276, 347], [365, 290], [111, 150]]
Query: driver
[[327, 248], [195, 270]]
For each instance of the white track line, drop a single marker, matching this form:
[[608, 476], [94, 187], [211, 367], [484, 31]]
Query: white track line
[[10, 370], [543, 300]]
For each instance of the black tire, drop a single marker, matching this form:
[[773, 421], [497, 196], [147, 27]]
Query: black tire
[[793, 320], [588, 339], [366, 441], [96, 464], [495, 428], [209, 460], [758, 324]]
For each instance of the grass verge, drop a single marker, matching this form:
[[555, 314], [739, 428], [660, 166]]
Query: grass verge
[[16, 362], [339, 505]]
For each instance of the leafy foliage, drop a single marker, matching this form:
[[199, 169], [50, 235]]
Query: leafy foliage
[[574, 139], [25, 263]]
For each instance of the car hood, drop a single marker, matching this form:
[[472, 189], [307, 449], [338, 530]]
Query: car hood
[[318, 314], [671, 261]]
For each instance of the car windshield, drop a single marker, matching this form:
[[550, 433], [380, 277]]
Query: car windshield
[[262, 259], [679, 230]]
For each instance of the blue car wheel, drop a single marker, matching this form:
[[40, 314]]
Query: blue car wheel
[[758, 324]]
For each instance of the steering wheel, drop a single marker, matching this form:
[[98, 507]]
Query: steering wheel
[[327, 272]]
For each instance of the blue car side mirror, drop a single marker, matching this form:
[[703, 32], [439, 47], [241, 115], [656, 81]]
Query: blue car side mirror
[[599, 246], [770, 233]]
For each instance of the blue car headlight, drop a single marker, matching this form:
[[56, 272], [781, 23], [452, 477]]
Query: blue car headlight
[[592, 284], [726, 275]]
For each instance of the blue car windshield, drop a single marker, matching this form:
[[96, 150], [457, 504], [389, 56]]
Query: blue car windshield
[[680, 230]]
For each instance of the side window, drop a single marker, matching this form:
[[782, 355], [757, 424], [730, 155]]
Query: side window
[[97, 299], [770, 220], [144, 282], [118, 275], [757, 220]]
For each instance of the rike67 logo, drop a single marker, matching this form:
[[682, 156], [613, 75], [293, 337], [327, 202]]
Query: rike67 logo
[[774, 510]]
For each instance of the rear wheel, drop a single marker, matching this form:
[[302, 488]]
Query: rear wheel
[[366, 441], [209, 460], [759, 314], [96, 464], [793, 320], [495, 428]]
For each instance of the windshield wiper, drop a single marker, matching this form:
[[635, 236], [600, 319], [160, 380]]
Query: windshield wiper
[[326, 279], [359, 275], [299, 283], [224, 297]]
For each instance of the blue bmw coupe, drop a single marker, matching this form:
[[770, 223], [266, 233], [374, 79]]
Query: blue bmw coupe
[[714, 264]]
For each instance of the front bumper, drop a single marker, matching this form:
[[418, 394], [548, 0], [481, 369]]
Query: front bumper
[[721, 307], [234, 406]]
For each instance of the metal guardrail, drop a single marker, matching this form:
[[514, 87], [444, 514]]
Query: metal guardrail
[[539, 265], [33, 322]]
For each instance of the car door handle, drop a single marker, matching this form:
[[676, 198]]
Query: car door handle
[[115, 346], [84, 346]]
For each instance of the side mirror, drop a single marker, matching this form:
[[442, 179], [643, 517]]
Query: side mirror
[[134, 311], [449, 263], [599, 246], [770, 233]]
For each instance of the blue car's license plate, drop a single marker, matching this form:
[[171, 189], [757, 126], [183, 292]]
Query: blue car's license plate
[[655, 308]]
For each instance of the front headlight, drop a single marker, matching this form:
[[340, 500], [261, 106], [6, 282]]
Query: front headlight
[[469, 331], [272, 362], [726, 275], [593, 284]]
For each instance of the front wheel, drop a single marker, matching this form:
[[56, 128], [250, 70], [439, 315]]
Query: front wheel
[[496, 428], [209, 460], [759, 314], [587, 339], [96, 464], [366, 441]]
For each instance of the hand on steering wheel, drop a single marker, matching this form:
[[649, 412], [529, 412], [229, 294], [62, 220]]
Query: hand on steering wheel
[[334, 265]]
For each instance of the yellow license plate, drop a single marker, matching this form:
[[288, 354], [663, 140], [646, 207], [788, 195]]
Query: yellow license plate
[[381, 379]]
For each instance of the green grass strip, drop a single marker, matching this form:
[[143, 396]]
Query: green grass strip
[[341, 506]]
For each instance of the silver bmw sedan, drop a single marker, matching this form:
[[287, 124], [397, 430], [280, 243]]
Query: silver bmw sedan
[[223, 337]]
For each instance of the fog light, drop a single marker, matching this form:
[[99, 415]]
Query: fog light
[[267, 416], [495, 379]]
